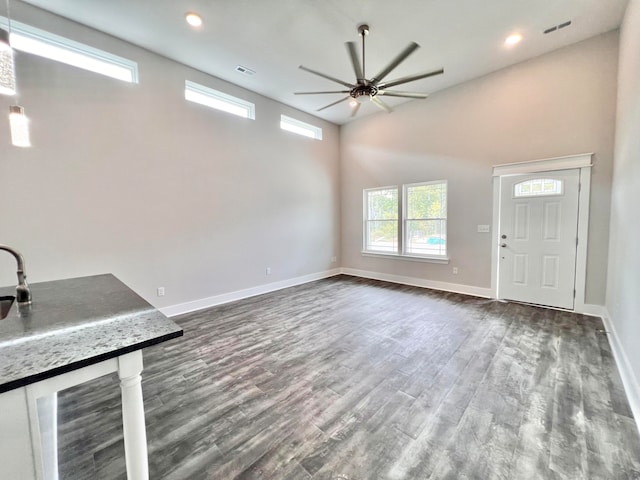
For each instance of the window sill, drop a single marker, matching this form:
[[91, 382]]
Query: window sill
[[411, 258]]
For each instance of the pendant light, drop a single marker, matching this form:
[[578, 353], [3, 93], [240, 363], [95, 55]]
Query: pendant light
[[7, 70], [18, 121], [19, 124]]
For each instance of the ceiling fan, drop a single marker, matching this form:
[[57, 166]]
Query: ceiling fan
[[373, 87]]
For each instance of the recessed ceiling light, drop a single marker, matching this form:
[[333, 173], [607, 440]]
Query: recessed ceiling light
[[193, 19], [513, 39]]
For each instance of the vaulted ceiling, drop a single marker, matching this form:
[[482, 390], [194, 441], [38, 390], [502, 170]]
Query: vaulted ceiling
[[274, 37]]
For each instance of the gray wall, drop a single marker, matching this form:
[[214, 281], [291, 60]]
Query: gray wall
[[134, 180], [558, 104], [623, 286]]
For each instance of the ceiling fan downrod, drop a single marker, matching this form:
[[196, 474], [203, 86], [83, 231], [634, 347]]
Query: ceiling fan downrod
[[363, 30], [363, 86]]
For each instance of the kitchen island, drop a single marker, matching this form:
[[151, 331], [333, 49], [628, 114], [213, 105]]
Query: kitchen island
[[75, 330]]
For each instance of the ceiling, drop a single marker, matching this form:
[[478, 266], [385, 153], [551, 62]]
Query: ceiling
[[274, 37]]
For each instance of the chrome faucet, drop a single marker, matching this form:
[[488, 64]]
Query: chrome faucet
[[23, 294]]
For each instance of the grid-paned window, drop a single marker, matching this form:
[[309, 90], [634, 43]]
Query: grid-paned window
[[425, 219], [407, 220], [381, 220], [538, 187]]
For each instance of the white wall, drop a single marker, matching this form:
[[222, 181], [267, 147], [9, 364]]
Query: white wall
[[623, 286], [562, 103], [132, 179]]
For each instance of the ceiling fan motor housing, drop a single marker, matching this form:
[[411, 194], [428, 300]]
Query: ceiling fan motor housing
[[362, 90]]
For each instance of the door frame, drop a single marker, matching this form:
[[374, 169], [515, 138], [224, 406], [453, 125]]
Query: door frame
[[583, 162]]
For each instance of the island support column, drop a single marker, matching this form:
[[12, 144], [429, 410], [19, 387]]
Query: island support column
[[135, 435], [17, 455]]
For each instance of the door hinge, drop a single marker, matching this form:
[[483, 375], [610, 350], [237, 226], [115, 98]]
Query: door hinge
[[577, 240], [574, 293]]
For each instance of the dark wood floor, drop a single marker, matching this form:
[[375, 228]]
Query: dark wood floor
[[354, 379]]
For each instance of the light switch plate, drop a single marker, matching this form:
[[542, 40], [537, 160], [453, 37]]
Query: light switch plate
[[484, 229]]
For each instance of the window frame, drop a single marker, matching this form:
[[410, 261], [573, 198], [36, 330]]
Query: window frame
[[401, 253], [297, 126], [405, 220], [366, 220], [218, 96], [21, 33], [519, 193]]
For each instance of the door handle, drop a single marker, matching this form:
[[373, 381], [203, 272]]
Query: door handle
[[503, 245]]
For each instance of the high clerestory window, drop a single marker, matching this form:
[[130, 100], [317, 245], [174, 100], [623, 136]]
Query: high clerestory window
[[301, 128], [194, 92], [26, 38]]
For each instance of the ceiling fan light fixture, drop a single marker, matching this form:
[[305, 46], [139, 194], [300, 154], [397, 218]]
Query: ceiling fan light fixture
[[354, 103], [193, 19], [513, 39]]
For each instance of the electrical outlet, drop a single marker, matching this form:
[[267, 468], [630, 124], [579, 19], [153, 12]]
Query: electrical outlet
[[267, 271], [455, 270], [161, 291], [334, 259]]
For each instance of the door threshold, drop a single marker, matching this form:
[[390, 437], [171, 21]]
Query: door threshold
[[549, 307]]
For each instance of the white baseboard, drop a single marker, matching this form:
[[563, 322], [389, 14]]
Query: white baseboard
[[421, 282], [629, 379], [202, 303], [591, 309]]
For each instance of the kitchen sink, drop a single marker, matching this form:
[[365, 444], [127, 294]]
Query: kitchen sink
[[5, 306]]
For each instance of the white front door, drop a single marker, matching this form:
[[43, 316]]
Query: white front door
[[538, 237]]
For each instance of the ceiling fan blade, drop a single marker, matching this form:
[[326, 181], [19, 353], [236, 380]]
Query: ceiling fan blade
[[348, 85], [411, 78], [334, 103], [355, 109], [381, 104], [395, 62], [355, 61], [391, 93], [320, 93]]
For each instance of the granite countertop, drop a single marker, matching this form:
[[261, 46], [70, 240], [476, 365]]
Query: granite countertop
[[74, 323]]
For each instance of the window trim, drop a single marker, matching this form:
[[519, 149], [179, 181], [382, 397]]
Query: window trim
[[297, 126], [21, 33], [402, 220], [218, 96], [405, 203], [365, 219]]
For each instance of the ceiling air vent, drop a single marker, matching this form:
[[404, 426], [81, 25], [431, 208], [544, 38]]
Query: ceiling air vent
[[557, 27], [245, 70]]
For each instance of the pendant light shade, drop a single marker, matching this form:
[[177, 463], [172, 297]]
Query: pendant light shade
[[7, 70], [19, 126]]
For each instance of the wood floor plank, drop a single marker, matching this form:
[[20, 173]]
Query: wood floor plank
[[568, 431], [353, 379]]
